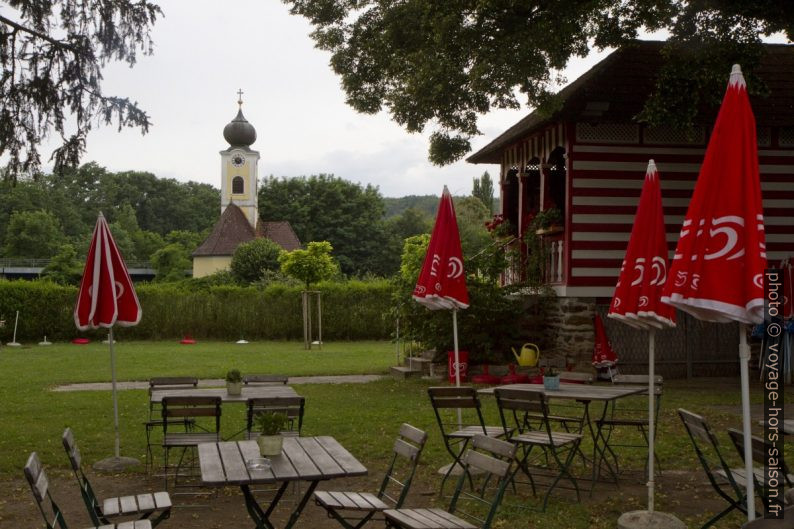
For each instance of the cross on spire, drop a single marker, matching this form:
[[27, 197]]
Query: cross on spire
[[240, 98]]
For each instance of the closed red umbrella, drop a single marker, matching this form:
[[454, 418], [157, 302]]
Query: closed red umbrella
[[637, 299], [442, 283], [717, 271], [106, 298], [603, 354]]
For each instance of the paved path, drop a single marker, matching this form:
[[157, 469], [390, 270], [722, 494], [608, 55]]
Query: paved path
[[217, 382]]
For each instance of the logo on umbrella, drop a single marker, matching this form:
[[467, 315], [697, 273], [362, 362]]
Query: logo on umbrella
[[659, 265], [639, 265], [455, 267], [119, 290]]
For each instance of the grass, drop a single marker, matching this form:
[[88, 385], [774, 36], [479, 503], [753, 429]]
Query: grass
[[364, 417]]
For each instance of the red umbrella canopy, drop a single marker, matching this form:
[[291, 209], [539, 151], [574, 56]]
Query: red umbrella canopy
[[787, 265], [442, 283], [603, 354], [717, 271], [637, 298], [106, 295]]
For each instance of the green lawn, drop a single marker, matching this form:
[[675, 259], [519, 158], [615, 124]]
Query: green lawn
[[364, 417]]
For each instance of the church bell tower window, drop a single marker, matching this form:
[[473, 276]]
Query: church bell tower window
[[238, 185]]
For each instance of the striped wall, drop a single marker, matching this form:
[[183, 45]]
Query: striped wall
[[604, 187]]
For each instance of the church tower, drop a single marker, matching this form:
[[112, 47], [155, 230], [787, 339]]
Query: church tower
[[239, 167]]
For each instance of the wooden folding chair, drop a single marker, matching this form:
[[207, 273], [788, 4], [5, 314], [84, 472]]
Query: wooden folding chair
[[720, 475], [456, 436], [205, 414], [515, 408], [155, 420], [265, 380], [292, 407], [142, 506], [465, 509], [760, 451], [343, 506], [52, 514]]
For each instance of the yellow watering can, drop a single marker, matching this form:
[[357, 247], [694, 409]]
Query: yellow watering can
[[529, 355]]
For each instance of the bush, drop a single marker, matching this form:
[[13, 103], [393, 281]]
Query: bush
[[351, 311]]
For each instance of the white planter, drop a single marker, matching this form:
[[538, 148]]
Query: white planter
[[270, 445], [234, 388]]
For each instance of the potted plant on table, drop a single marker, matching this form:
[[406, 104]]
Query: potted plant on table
[[269, 425], [551, 378], [234, 382]]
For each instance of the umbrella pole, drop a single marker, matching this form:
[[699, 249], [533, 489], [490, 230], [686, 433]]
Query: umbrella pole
[[651, 415], [115, 394], [457, 360], [744, 360]]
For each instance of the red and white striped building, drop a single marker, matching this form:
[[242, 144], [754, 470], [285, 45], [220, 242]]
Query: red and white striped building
[[589, 159]]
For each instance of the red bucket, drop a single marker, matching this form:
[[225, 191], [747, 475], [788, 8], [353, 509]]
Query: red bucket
[[462, 366]]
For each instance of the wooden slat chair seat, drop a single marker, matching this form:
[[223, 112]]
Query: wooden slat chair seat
[[156, 506], [718, 472], [155, 420], [446, 401], [493, 469], [760, 451], [293, 407], [393, 489], [204, 414], [514, 406], [265, 380], [628, 416], [52, 514]]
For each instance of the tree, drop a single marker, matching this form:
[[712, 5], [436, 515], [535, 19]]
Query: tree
[[64, 267], [310, 265], [171, 263], [52, 55], [34, 234], [252, 259], [471, 215], [444, 63], [327, 208], [483, 189]]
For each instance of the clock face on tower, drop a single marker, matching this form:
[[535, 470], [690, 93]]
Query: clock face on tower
[[238, 160]]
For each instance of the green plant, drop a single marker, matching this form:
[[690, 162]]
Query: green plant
[[550, 371], [546, 218], [270, 423], [233, 376]]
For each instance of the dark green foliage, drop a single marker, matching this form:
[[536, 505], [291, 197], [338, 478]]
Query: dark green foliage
[[171, 263], [446, 63], [483, 189], [64, 268], [33, 234], [52, 55], [426, 203], [351, 311], [252, 259], [326, 208]]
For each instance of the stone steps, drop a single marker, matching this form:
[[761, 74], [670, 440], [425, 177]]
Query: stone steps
[[403, 372]]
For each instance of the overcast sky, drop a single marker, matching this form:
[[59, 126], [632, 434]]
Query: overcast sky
[[205, 50]]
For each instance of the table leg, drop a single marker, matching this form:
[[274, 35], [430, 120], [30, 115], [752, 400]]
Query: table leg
[[599, 454], [299, 508], [260, 517]]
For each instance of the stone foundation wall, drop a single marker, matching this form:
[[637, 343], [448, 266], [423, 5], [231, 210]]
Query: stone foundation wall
[[570, 328]]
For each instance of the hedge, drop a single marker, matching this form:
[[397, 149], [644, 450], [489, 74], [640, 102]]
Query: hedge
[[353, 310]]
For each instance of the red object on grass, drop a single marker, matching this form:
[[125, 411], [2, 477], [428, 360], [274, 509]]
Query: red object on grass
[[486, 377], [603, 354], [718, 267], [81, 341], [187, 340], [513, 377]]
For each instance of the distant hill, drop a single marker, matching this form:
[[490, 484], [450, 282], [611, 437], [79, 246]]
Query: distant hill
[[426, 203]]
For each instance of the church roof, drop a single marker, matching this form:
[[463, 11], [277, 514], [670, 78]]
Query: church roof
[[280, 232], [231, 230], [615, 90]]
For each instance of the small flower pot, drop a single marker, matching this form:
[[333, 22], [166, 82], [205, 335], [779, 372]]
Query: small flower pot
[[234, 388], [551, 382], [270, 445]]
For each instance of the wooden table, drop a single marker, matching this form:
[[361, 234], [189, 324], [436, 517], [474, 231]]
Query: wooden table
[[249, 392], [311, 459], [585, 394]]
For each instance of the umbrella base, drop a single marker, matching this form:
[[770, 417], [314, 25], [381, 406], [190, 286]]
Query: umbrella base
[[115, 464], [649, 520]]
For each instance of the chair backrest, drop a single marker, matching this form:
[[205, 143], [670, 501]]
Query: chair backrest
[[161, 383], [292, 407], [264, 380], [487, 459], [453, 398], [86, 491], [39, 486], [708, 450], [639, 380], [576, 376], [761, 452], [407, 447], [517, 407], [187, 407]]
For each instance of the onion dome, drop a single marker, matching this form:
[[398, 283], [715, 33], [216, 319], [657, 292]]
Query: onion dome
[[239, 133]]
